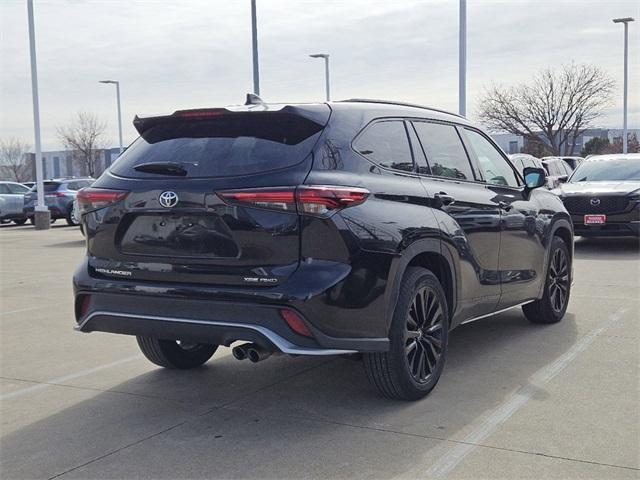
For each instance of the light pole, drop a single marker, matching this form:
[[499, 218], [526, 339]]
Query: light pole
[[41, 214], [626, 22], [462, 60], [254, 46], [326, 71], [117, 84]]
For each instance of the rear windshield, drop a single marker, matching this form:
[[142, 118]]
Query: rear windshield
[[607, 170], [48, 187], [236, 144]]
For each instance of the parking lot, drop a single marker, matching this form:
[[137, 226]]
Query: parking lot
[[516, 400]]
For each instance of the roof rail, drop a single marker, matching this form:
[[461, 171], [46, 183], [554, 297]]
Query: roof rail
[[403, 104]]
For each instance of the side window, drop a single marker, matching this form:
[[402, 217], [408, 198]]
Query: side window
[[17, 188], [495, 168], [445, 153], [72, 186], [386, 143], [4, 188]]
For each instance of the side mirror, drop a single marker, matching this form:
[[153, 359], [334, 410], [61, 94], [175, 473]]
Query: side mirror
[[563, 178], [534, 177]]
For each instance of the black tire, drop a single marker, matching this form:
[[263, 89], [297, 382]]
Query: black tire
[[398, 373], [174, 354], [20, 221], [557, 287], [69, 217]]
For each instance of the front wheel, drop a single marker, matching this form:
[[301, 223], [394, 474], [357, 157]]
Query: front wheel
[[20, 221], [175, 353], [557, 288], [418, 338]]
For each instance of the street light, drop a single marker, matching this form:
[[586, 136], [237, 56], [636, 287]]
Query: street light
[[626, 68], [41, 214], [117, 84], [462, 60], [326, 70], [254, 48]]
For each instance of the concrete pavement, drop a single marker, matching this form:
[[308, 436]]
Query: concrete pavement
[[515, 401]]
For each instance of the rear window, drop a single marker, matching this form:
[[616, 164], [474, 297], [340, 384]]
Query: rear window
[[236, 144], [48, 187]]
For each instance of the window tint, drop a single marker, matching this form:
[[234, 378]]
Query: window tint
[[48, 187], [386, 144], [17, 188], [444, 150], [495, 168], [4, 188], [237, 144]]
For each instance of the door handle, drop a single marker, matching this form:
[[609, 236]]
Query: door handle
[[443, 199], [505, 206]]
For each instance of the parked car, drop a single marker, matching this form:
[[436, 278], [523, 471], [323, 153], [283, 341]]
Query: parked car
[[317, 229], [58, 197], [524, 160], [558, 171], [603, 196], [572, 161], [12, 202]]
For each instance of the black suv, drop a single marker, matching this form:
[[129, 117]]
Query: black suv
[[317, 229]]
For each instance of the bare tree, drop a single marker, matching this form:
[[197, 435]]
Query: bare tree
[[85, 138], [13, 161], [555, 107]]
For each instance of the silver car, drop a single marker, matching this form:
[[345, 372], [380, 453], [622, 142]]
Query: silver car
[[12, 202]]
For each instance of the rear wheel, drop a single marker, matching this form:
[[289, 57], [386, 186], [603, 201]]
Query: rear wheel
[[175, 353], [553, 304], [72, 215], [418, 337], [20, 221]]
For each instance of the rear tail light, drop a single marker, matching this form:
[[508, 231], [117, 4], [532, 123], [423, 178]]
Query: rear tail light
[[296, 322], [307, 199], [83, 302], [90, 198]]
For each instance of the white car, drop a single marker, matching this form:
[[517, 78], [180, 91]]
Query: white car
[[12, 202]]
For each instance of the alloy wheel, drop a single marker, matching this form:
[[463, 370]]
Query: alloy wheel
[[424, 334], [558, 280]]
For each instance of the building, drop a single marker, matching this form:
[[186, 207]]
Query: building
[[511, 143], [61, 163]]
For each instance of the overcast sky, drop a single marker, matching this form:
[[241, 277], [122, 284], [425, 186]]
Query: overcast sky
[[178, 54]]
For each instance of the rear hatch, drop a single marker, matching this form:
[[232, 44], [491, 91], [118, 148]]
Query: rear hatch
[[50, 189], [173, 224]]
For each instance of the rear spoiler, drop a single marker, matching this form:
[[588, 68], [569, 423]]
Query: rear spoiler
[[318, 113]]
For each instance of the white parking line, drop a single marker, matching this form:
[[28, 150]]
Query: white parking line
[[28, 309], [517, 400], [49, 383]]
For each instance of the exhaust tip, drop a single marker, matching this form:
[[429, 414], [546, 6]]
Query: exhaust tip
[[253, 355], [257, 355], [239, 352]]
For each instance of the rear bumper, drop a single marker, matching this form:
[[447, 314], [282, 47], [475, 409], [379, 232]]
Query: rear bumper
[[122, 307]]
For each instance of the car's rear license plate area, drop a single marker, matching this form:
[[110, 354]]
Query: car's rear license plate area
[[595, 219], [179, 235]]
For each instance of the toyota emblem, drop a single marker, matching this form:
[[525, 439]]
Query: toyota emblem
[[168, 199], [595, 202]]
